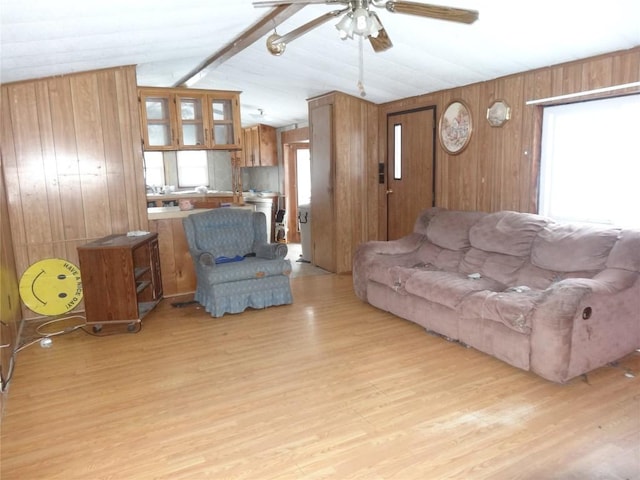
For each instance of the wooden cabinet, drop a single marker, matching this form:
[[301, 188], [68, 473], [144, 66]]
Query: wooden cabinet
[[121, 278], [158, 124], [344, 169], [260, 146], [184, 119]]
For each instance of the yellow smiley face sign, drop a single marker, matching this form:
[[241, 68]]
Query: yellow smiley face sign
[[51, 286]]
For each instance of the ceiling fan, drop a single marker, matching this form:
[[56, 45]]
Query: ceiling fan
[[359, 19]]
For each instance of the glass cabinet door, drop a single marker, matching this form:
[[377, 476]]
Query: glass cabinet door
[[192, 128], [157, 120], [225, 121]]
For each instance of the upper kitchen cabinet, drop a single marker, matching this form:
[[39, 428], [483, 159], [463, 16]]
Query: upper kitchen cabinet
[[187, 119], [224, 108], [192, 130], [260, 146], [158, 125]]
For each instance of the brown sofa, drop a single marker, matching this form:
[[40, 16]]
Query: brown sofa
[[556, 299]]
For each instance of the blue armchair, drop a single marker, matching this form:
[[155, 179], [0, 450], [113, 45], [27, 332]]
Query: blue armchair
[[236, 267]]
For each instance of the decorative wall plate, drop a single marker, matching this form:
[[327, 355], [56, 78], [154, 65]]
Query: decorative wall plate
[[455, 127], [498, 113]]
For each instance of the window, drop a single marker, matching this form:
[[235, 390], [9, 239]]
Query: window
[[192, 168], [303, 171], [397, 151], [590, 162], [154, 169]]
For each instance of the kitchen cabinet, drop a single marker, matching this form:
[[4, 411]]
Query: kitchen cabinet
[[260, 146], [189, 119], [344, 169], [191, 112], [158, 124], [121, 279]]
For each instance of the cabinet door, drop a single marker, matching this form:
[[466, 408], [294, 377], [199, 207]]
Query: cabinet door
[[192, 122], [267, 147], [156, 274], [157, 121], [250, 147], [224, 112]]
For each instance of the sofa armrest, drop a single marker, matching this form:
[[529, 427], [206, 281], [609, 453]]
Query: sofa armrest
[[367, 252], [405, 244], [608, 281], [271, 251], [581, 324]]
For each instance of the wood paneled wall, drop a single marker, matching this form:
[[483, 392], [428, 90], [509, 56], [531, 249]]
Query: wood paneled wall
[[10, 314], [499, 168], [73, 164]]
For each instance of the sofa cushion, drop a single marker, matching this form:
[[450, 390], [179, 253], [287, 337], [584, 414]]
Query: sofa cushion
[[447, 288], [535, 277], [513, 307], [572, 248], [500, 267], [450, 229], [507, 232], [395, 276]]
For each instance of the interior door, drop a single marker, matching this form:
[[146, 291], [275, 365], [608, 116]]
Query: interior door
[[322, 202], [410, 175]]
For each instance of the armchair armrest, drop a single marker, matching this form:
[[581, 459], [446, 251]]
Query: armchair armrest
[[271, 251], [206, 258]]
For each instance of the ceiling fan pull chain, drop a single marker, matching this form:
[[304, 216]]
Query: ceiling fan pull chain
[[363, 93]]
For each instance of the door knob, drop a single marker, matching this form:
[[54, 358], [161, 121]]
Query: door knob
[[389, 191]]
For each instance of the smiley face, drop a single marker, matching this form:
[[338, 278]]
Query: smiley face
[[51, 286]]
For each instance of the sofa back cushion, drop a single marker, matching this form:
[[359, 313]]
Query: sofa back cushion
[[450, 229], [423, 220], [498, 266], [571, 247], [506, 232]]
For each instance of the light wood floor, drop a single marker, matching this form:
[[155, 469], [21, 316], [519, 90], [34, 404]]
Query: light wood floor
[[327, 388]]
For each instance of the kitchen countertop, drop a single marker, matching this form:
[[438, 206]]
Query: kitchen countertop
[[164, 213], [177, 195]]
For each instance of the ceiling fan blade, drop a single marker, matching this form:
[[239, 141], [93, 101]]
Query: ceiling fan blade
[[275, 3], [382, 42], [433, 11], [276, 43]]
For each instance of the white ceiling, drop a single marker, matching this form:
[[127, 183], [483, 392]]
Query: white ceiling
[[168, 38]]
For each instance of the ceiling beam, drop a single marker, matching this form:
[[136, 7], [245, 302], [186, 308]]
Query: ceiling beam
[[256, 31]]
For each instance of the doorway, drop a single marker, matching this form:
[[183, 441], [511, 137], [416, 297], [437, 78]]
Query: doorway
[[295, 145], [411, 164]]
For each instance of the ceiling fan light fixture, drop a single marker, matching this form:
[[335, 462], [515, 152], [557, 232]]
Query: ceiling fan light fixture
[[345, 26], [374, 26], [359, 22], [362, 20]]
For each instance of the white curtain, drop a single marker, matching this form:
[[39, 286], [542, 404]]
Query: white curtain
[[590, 165]]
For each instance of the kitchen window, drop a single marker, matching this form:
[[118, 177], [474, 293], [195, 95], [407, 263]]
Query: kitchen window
[[154, 169], [192, 167]]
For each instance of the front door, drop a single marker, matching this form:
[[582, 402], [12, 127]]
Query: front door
[[411, 160]]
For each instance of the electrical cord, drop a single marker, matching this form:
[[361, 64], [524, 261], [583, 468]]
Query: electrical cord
[[4, 382]]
